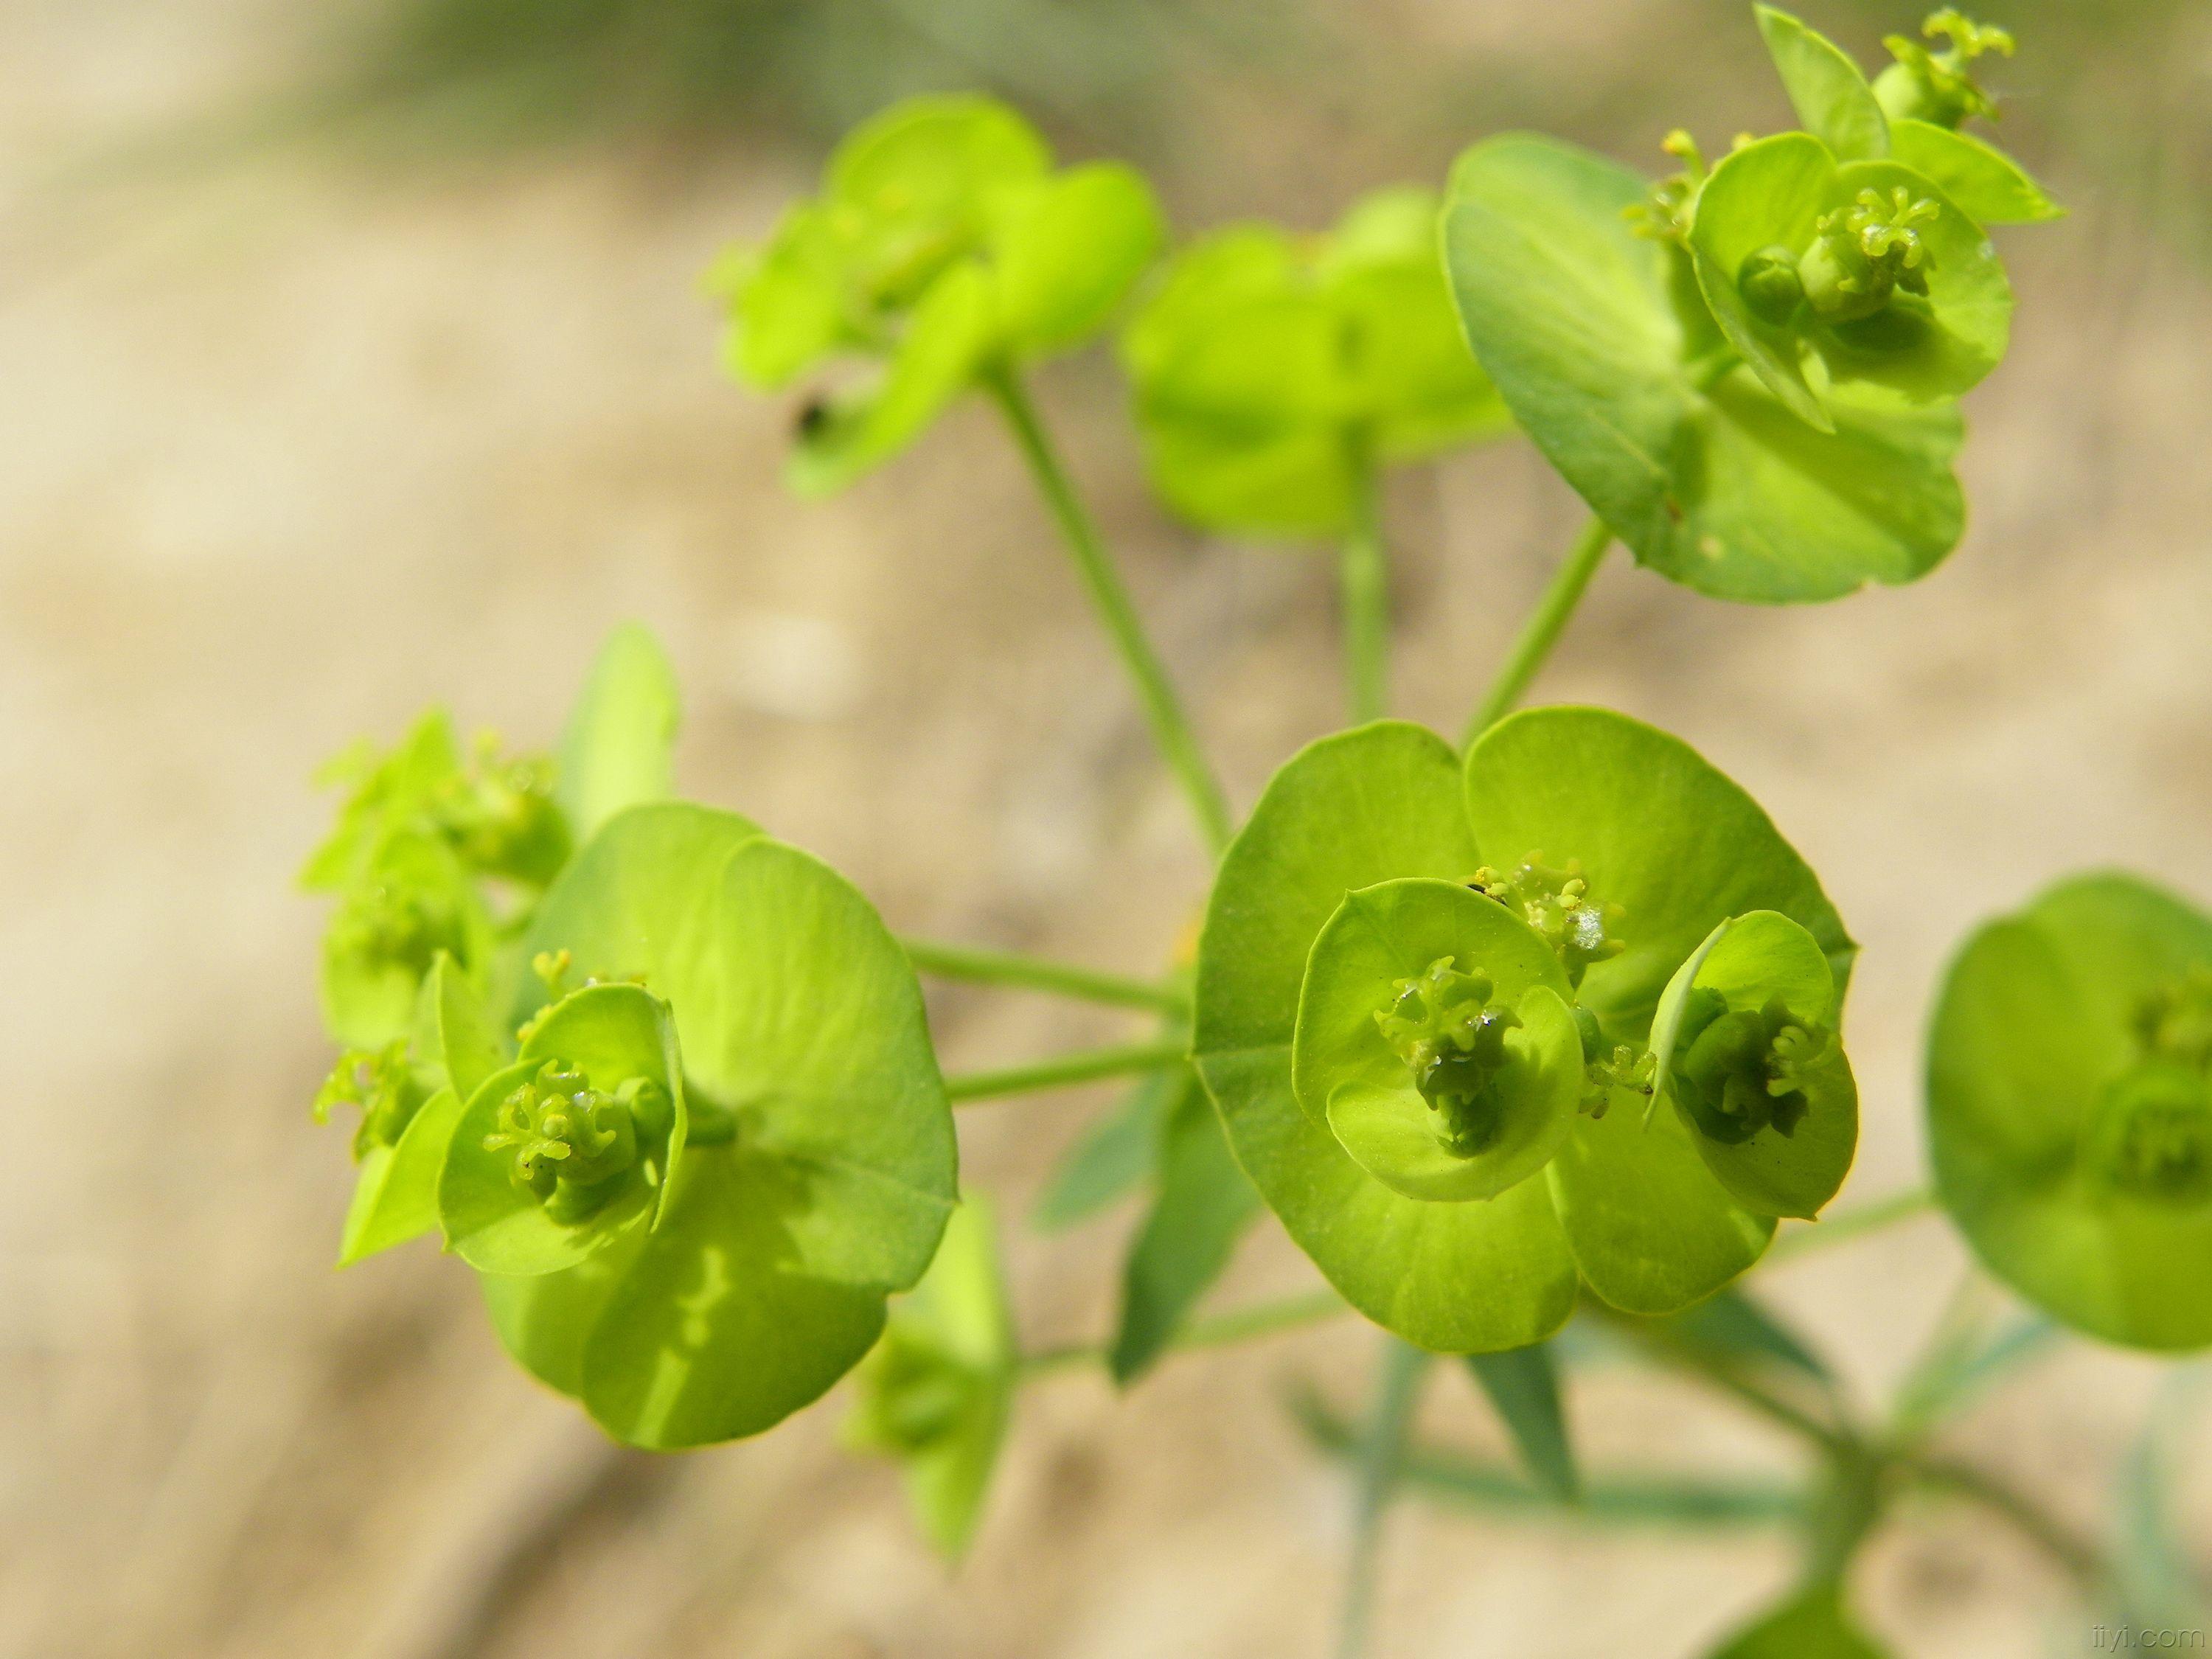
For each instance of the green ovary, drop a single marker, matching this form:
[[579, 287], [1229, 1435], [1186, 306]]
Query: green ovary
[[572, 1142], [1864, 253], [1747, 1070], [1940, 86], [2150, 1136], [502, 818], [1558, 905], [1442, 1025]]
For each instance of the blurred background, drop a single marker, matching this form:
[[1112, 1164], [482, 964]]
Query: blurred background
[[353, 358]]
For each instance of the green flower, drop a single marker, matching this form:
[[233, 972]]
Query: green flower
[[1274, 372], [1939, 87], [1423, 1063], [942, 248], [746, 1020], [2069, 1107], [937, 1391]]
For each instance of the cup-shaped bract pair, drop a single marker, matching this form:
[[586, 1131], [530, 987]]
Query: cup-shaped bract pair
[[1426, 992], [747, 1016], [1751, 373], [2070, 1107], [937, 1391], [943, 247], [436, 863], [1275, 372]]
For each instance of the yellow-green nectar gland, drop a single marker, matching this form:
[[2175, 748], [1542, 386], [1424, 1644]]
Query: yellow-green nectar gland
[[572, 1143], [1864, 253], [1744, 1071], [1441, 1023], [1607, 1066], [1940, 86], [381, 1083], [1558, 905]]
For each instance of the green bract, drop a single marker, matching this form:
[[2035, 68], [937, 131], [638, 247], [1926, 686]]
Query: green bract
[[1274, 372], [2070, 1104], [1576, 858], [942, 246], [1612, 364], [402, 1145], [1886, 120], [558, 1155], [820, 1163], [936, 1391], [1868, 271], [1746, 1046]]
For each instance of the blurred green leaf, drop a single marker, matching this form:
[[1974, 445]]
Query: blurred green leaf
[[1203, 1206], [1113, 1157], [1628, 1501], [1988, 185], [1523, 1385], [616, 751], [936, 1391], [2155, 1579], [1733, 1326]]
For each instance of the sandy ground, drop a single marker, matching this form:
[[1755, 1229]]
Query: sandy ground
[[292, 447]]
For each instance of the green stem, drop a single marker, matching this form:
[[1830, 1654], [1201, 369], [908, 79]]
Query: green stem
[[2075, 1555], [1364, 569], [1542, 630], [1854, 1223], [1065, 1070], [1238, 1325], [1382, 1456], [1003, 968], [1170, 730]]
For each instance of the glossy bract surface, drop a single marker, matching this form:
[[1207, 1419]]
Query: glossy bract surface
[[1575, 857]]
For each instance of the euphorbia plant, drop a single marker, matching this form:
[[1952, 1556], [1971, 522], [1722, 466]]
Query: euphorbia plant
[[1542, 1026]]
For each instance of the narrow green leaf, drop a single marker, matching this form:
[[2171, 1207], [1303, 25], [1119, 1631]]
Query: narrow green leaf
[[1203, 1206], [2155, 1583], [1378, 1460], [1113, 1157], [1626, 1501], [1523, 1385], [1737, 1327], [616, 750]]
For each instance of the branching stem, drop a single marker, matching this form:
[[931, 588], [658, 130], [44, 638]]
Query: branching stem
[[1066, 1070], [1032, 973], [1542, 630], [1363, 571], [1170, 729]]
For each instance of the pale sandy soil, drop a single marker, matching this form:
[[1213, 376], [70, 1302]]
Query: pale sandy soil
[[290, 447]]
